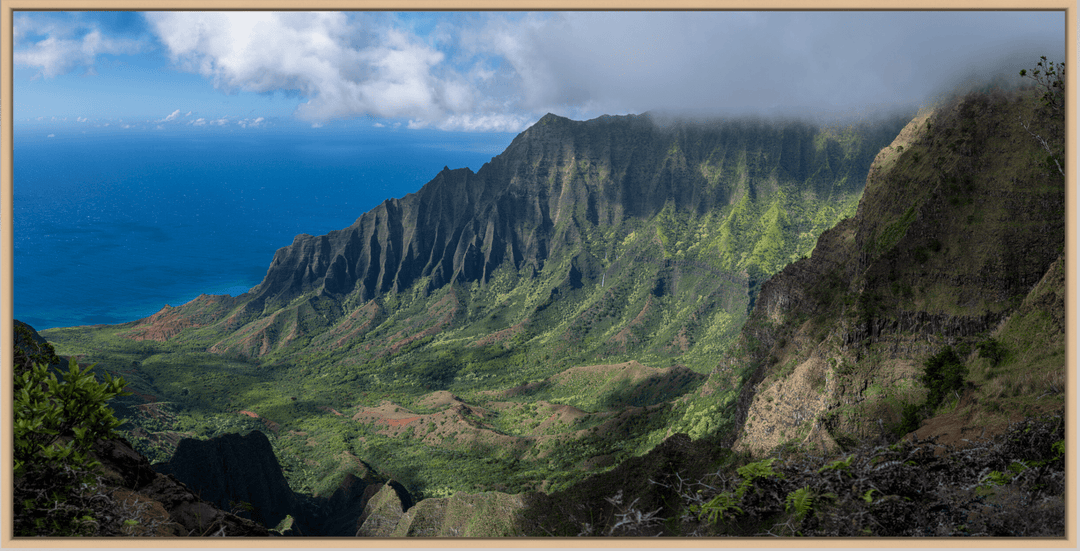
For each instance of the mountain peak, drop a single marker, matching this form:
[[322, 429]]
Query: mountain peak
[[551, 118]]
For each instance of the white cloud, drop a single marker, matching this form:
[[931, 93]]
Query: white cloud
[[486, 122], [198, 122], [66, 47], [51, 136], [342, 66], [379, 125], [252, 123], [82, 119], [172, 116]]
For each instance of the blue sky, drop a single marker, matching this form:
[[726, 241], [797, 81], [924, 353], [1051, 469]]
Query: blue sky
[[498, 72]]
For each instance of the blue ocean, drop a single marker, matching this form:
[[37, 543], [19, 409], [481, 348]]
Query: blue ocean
[[109, 227]]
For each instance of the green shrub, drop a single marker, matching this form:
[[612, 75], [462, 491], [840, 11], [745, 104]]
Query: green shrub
[[910, 419], [56, 423], [944, 374], [46, 409], [992, 350]]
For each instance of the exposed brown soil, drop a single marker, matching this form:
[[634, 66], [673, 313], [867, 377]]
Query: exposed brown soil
[[443, 311], [163, 325], [965, 425], [502, 335], [171, 320], [366, 313], [622, 338]]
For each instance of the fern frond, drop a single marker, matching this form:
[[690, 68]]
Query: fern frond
[[801, 501]]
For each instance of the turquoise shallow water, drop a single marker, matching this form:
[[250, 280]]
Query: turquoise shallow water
[[111, 226]]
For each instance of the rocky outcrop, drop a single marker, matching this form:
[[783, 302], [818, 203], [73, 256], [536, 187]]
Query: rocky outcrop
[[160, 502], [383, 510], [489, 514], [231, 469]]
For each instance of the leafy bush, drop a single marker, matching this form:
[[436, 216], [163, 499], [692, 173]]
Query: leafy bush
[[992, 350], [944, 374], [910, 419], [56, 423], [47, 409]]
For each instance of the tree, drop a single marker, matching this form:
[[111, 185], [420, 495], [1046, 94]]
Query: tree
[[1049, 78], [944, 374]]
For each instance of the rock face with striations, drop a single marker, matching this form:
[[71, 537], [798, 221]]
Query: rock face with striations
[[383, 510], [959, 220], [462, 225]]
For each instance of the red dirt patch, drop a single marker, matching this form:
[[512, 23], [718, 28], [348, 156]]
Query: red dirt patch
[[401, 422], [681, 342], [165, 324], [623, 336], [367, 313], [501, 335]]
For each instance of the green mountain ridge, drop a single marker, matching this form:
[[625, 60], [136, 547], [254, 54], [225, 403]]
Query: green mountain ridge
[[546, 326]]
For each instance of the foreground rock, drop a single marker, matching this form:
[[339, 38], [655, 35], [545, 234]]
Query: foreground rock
[[164, 506]]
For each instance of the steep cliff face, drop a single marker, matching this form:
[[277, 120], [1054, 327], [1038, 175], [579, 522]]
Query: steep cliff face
[[533, 199], [960, 218], [165, 507]]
